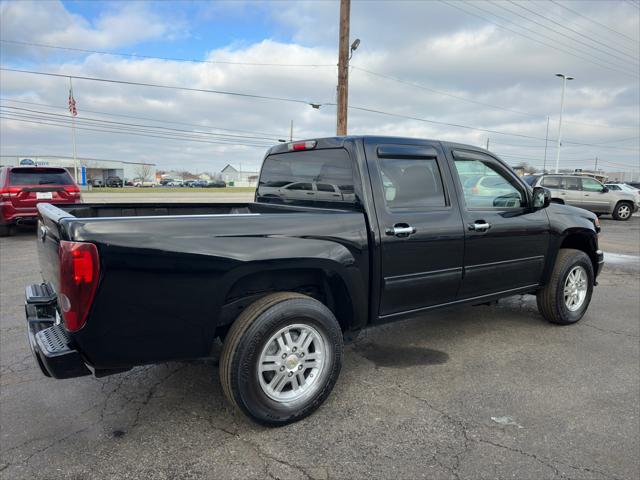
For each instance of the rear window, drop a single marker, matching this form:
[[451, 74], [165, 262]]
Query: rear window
[[310, 177], [39, 176], [552, 182]]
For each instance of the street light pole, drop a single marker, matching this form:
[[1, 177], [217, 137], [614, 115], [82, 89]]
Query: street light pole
[[564, 86]]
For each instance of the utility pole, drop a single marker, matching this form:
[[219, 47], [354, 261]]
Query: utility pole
[[343, 68], [595, 168], [72, 111], [291, 132], [546, 142], [487, 143], [564, 86]]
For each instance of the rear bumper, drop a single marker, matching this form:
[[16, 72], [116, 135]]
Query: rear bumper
[[50, 343]]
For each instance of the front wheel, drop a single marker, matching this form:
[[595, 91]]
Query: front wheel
[[565, 299], [281, 358], [623, 211]]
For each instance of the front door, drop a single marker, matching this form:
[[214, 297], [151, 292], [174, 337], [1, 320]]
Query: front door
[[594, 197], [506, 241], [422, 237]]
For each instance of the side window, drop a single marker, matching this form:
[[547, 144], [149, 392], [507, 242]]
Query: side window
[[325, 187], [412, 183], [551, 182], [571, 183], [485, 187], [591, 185], [299, 186]]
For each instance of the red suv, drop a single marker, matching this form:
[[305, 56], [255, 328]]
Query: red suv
[[22, 188]]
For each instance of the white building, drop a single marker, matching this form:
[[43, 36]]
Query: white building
[[88, 168], [238, 177]]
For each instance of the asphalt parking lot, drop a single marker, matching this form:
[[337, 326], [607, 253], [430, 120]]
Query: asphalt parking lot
[[480, 392]]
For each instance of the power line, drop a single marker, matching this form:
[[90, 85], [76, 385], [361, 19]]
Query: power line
[[458, 97], [174, 59], [270, 135], [457, 125], [135, 124], [291, 100], [156, 85], [530, 37], [593, 56], [635, 41], [130, 127], [422, 87], [127, 132], [634, 58]]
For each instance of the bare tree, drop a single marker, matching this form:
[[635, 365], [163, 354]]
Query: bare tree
[[143, 171]]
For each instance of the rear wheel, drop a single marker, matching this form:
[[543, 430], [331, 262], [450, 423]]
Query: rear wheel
[[281, 358], [623, 211], [565, 299]]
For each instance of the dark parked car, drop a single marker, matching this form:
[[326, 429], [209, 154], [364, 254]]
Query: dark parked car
[[23, 188], [113, 182], [215, 184], [282, 284]]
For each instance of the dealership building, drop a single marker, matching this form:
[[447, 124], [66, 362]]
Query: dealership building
[[89, 169]]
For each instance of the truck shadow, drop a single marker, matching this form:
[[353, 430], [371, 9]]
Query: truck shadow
[[399, 356]]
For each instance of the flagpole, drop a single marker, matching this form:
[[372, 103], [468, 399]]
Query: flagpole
[[73, 135]]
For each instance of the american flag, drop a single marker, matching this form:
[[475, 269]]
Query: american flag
[[72, 104]]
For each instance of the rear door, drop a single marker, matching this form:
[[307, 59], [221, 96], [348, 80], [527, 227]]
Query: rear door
[[422, 239], [572, 191], [506, 242]]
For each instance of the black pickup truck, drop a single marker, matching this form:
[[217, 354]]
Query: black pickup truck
[[344, 233]]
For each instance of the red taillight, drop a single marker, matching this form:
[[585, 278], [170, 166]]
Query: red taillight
[[308, 145], [79, 273], [9, 192], [72, 189]]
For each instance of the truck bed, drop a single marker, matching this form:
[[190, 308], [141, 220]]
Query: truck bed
[[117, 210], [173, 275]]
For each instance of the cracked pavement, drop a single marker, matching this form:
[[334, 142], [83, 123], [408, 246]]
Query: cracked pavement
[[414, 399]]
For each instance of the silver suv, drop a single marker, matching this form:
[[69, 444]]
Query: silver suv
[[587, 193]]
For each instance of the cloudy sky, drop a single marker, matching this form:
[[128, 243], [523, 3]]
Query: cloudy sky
[[463, 71]]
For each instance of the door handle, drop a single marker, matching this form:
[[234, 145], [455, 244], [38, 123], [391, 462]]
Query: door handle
[[400, 230], [479, 226], [562, 193]]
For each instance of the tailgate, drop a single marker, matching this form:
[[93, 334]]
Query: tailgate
[[48, 235]]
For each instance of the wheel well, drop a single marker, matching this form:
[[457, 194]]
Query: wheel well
[[557, 200], [325, 286], [583, 243]]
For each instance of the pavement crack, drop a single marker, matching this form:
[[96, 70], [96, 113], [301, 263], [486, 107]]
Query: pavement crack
[[615, 332]]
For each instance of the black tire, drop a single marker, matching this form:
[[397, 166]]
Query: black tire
[[623, 211], [250, 334], [551, 301], [6, 230]]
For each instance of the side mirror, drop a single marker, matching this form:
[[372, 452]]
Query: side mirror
[[605, 189], [541, 198]]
